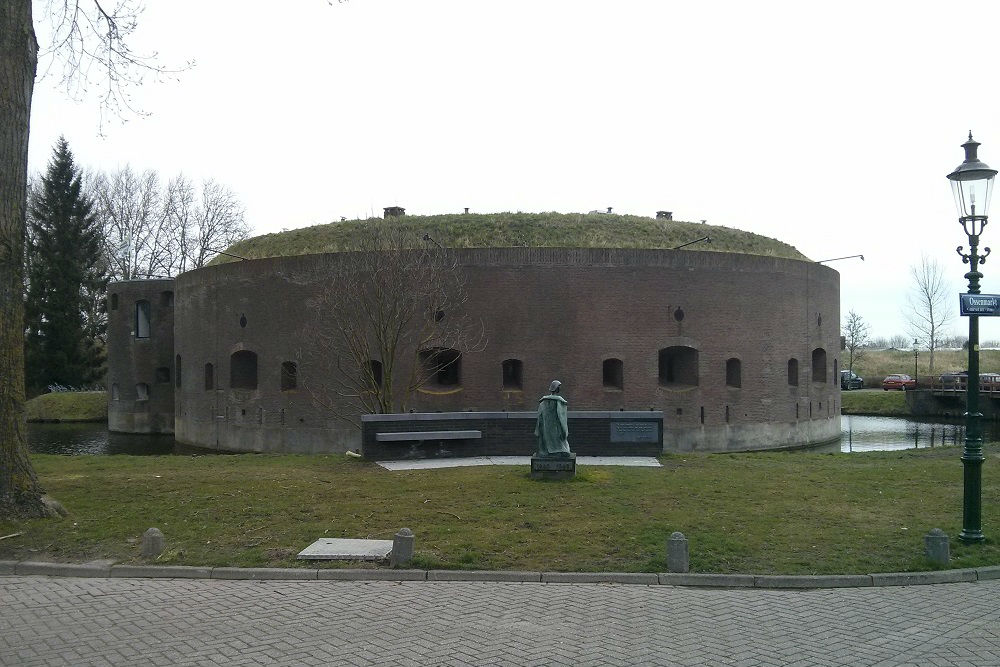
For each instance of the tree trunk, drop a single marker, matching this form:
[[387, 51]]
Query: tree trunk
[[20, 494]]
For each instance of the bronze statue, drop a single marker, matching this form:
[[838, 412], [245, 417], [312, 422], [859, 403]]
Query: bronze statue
[[551, 429]]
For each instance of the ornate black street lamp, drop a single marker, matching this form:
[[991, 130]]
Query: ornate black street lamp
[[972, 184], [916, 355]]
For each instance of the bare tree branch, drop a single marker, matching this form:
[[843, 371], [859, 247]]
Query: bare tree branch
[[927, 311]]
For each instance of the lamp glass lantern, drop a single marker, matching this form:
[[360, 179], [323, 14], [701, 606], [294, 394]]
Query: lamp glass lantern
[[972, 186]]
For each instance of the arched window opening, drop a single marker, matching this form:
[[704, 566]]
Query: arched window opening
[[511, 374], [289, 375], [678, 365], [734, 373], [177, 371], [243, 370], [819, 365], [142, 392], [115, 396], [162, 375], [142, 319], [209, 377], [613, 375], [375, 372], [443, 366], [793, 372]]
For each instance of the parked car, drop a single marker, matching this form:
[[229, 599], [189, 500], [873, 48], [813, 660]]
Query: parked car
[[989, 382], [851, 380], [899, 381]]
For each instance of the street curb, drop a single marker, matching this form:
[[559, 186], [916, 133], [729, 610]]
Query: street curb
[[161, 571], [647, 578], [813, 581], [371, 575], [919, 578], [63, 569], [263, 573], [513, 576], [690, 579], [706, 580]]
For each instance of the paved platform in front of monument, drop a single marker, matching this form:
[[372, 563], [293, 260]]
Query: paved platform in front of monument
[[98, 621], [423, 464]]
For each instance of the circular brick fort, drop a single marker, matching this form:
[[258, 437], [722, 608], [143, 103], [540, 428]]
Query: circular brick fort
[[738, 351]]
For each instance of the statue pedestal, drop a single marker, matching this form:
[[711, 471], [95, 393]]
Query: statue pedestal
[[551, 467]]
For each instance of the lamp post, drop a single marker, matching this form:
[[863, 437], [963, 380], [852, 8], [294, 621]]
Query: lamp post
[[972, 185], [916, 354]]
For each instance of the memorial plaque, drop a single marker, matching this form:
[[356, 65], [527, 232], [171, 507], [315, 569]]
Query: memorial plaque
[[631, 431], [544, 467]]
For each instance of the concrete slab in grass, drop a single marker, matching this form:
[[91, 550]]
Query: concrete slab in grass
[[355, 574], [333, 548], [920, 578], [262, 573], [63, 569], [161, 571], [483, 575], [707, 580], [599, 578], [812, 581]]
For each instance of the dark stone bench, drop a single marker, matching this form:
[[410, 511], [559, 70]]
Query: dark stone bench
[[423, 444], [423, 436]]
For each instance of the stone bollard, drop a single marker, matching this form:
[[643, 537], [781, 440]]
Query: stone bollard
[[402, 548], [677, 553], [152, 543], [936, 547]]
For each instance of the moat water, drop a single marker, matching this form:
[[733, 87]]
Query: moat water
[[858, 434]]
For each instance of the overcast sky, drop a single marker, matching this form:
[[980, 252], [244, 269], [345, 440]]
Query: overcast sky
[[830, 126]]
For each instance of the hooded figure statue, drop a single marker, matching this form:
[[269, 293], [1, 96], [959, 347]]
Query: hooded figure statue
[[551, 429]]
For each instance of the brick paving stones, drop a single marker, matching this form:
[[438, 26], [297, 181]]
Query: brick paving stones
[[125, 621]]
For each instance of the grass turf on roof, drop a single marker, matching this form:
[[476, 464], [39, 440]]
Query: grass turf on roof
[[540, 230]]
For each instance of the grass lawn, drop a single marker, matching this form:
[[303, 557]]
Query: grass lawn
[[885, 403], [788, 513], [68, 406]]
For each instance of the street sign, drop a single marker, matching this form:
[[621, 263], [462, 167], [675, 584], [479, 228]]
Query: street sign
[[980, 304]]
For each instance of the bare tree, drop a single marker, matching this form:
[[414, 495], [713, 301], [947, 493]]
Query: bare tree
[[856, 332], [928, 312], [203, 223], [391, 320], [76, 24]]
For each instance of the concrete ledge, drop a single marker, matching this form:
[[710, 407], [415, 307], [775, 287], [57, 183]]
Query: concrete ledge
[[345, 574], [407, 436], [986, 573], [813, 581], [919, 578], [63, 569], [712, 580], [7, 566], [600, 578], [262, 573], [161, 571], [483, 575]]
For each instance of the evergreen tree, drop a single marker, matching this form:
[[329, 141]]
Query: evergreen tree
[[66, 275]]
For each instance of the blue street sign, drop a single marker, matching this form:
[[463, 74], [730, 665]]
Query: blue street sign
[[980, 304]]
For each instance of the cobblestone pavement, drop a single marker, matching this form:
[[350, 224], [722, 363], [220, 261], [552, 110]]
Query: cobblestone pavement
[[85, 621]]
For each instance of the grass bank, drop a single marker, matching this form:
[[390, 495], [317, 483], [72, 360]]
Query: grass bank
[[68, 406], [782, 513], [883, 403], [874, 365]]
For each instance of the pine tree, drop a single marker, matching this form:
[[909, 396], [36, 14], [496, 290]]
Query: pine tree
[[65, 276]]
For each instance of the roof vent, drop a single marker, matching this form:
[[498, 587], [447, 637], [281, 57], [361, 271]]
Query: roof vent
[[664, 215], [393, 212]]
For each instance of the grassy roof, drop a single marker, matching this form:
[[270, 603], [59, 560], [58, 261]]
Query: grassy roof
[[551, 230]]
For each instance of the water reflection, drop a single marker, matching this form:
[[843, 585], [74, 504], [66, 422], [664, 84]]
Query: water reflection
[[866, 434], [77, 438]]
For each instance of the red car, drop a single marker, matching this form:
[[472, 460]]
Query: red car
[[901, 382]]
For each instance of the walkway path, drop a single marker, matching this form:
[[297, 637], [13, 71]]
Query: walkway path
[[96, 621]]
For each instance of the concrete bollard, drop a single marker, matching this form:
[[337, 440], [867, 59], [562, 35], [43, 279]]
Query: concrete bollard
[[936, 547], [402, 548], [677, 553], [152, 543]]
